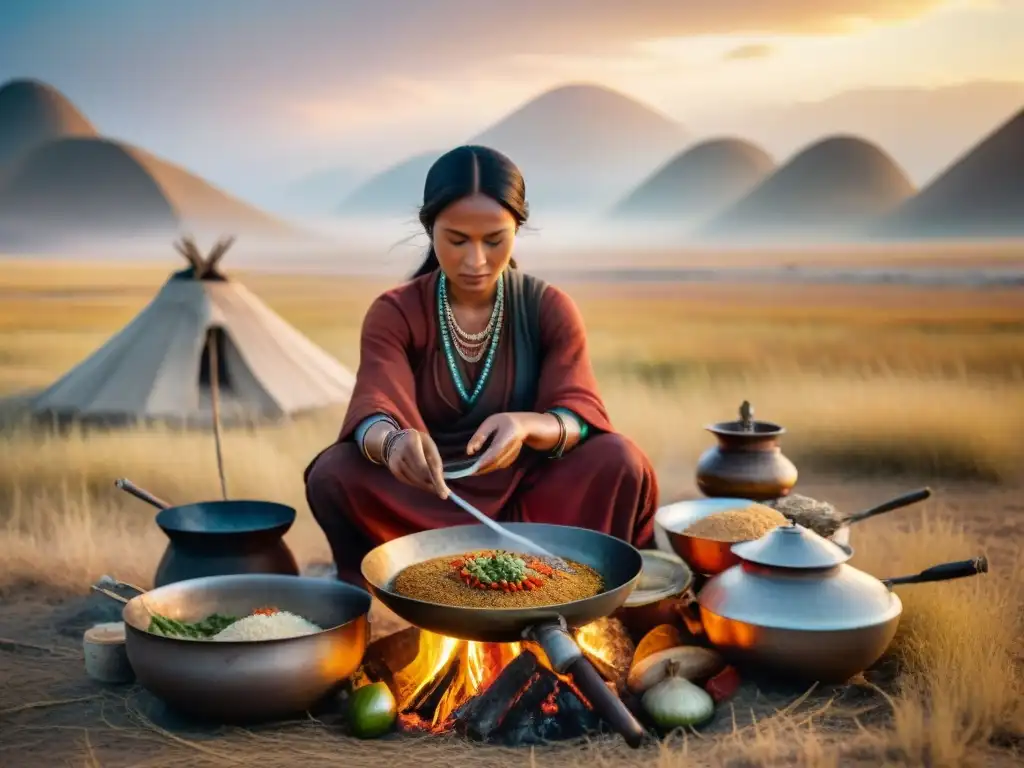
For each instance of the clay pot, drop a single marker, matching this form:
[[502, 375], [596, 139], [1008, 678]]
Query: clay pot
[[747, 463]]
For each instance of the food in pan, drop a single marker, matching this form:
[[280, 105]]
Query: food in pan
[[497, 579], [279, 625], [745, 524], [261, 624], [188, 630]]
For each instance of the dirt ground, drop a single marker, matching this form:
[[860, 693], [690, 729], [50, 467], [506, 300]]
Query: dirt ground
[[52, 714]]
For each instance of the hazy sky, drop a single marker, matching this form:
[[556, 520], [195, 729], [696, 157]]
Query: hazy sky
[[246, 90]]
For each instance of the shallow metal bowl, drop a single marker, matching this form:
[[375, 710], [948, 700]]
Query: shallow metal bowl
[[705, 556], [248, 681]]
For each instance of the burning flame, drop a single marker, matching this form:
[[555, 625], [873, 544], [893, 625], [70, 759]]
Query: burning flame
[[432, 658], [479, 664], [591, 642], [467, 669]]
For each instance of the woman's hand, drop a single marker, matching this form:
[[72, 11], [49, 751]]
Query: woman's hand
[[509, 431], [415, 460]]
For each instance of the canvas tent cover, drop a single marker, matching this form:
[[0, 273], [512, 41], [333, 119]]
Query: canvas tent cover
[[157, 366]]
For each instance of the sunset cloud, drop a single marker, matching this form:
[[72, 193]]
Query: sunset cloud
[[345, 41], [230, 83]]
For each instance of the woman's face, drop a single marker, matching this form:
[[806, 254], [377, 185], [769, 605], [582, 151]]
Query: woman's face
[[473, 240]]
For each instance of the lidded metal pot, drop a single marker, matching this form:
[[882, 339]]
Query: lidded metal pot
[[746, 462], [794, 607]]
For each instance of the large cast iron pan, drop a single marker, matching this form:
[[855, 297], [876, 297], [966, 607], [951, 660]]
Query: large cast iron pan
[[255, 521], [617, 561]]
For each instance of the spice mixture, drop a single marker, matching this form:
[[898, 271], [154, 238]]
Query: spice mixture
[[745, 524], [820, 516], [496, 579]]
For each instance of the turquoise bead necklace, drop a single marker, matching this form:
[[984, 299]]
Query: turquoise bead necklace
[[443, 313]]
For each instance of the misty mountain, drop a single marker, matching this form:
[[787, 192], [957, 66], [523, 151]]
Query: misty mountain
[[698, 182], [829, 190], [981, 194], [579, 146], [925, 129]]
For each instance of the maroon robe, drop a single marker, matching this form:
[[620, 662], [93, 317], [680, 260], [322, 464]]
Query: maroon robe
[[605, 483]]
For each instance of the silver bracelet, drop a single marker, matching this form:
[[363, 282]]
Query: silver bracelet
[[376, 420], [393, 438], [563, 436]]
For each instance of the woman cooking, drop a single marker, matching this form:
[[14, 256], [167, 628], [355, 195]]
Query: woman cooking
[[474, 361]]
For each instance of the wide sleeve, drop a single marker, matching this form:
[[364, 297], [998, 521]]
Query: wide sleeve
[[385, 383], [566, 375]]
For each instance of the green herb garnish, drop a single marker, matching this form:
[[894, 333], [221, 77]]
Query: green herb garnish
[[199, 630]]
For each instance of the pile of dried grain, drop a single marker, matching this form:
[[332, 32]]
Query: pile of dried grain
[[743, 524]]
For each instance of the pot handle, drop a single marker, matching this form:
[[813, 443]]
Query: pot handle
[[107, 593], [944, 572], [566, 658], [900, 501], [687, 609], [128, 486], [606, 703]]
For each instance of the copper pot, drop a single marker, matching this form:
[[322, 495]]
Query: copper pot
[[747, 462], [662, 595]]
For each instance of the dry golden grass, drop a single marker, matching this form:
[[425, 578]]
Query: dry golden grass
[[869, 377], [866, 379], [959, 647]]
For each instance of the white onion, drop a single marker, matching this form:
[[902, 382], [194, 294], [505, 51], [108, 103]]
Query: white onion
[[675, 702]]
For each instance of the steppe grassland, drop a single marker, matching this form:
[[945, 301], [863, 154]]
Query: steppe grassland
[[867, 380]]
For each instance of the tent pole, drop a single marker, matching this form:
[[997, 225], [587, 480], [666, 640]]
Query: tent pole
[[211, 345]]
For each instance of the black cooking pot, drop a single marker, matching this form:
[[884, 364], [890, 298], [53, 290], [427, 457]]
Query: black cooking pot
[[220, 538]]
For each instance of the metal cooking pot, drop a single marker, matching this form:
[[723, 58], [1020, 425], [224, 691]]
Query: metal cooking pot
[[248, 681], [218, 538], [794, 606], [747, 460]]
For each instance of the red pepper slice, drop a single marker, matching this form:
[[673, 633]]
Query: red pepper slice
[[724, 685]]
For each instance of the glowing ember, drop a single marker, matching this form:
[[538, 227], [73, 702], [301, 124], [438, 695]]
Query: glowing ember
[[447, 673], [550, 705]]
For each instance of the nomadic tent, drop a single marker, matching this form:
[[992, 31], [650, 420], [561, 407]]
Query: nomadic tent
[[158, 368]]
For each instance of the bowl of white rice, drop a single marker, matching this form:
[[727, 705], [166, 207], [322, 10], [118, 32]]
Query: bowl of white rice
[[262, 666], [257, 627]]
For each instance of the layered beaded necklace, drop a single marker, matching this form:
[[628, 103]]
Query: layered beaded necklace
[[469, 346]]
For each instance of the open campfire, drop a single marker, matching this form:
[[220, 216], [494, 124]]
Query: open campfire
[[501, 692]]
